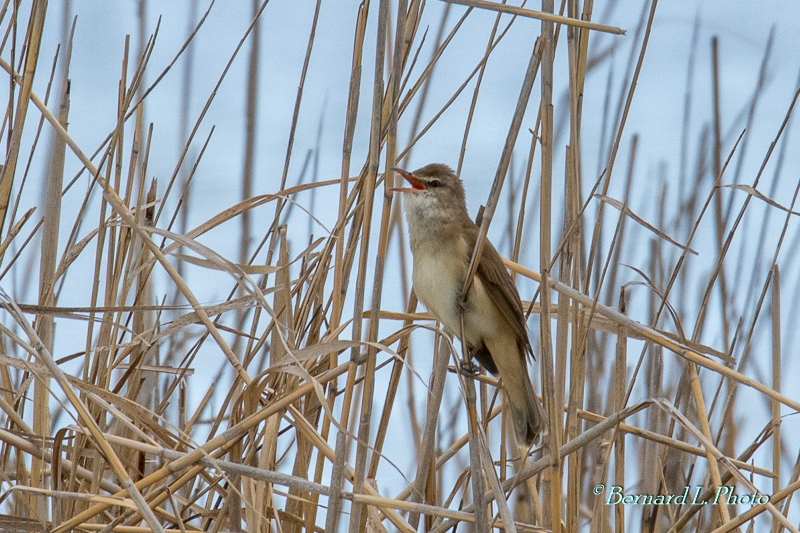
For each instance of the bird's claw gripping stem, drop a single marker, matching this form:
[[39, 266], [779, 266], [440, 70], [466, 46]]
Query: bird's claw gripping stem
[[469, 369]]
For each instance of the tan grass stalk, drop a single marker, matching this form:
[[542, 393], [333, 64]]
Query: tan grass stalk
[[541, 15], [35, 28], [288, 437], [776, 382]]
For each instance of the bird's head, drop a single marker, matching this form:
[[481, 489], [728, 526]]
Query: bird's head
[[435, 188]]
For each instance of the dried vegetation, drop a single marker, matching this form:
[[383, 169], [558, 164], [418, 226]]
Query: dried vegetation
[[655, 378]]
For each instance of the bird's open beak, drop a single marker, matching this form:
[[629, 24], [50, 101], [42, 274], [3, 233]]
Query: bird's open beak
[[416, 185]]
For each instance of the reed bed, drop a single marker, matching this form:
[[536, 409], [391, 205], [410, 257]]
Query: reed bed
[[170, 363]]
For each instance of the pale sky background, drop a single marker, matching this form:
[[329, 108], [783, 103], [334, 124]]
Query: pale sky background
[[743, 28]]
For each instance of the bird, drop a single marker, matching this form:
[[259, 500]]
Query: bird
[[442, 237]]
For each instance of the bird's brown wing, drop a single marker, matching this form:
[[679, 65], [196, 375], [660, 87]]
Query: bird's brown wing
[[500, 286]]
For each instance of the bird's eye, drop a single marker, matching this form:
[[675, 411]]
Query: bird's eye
[[434, 183]]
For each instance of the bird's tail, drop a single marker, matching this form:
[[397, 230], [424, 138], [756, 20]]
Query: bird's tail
[[527, 413], [531, 415]]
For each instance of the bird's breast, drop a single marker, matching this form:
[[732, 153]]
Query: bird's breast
[[438, 280], [439, 272]]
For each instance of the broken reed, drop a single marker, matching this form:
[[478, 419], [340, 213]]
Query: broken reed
[[302, 439]]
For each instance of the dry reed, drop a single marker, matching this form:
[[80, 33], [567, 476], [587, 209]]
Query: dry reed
[[319, 415]]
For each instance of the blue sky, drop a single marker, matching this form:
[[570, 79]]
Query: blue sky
[[656, 116]]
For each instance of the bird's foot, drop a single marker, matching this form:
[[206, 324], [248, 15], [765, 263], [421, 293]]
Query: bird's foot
[[469, 369]]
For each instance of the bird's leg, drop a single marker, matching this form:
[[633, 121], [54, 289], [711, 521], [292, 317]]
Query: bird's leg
[[469, 368]]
